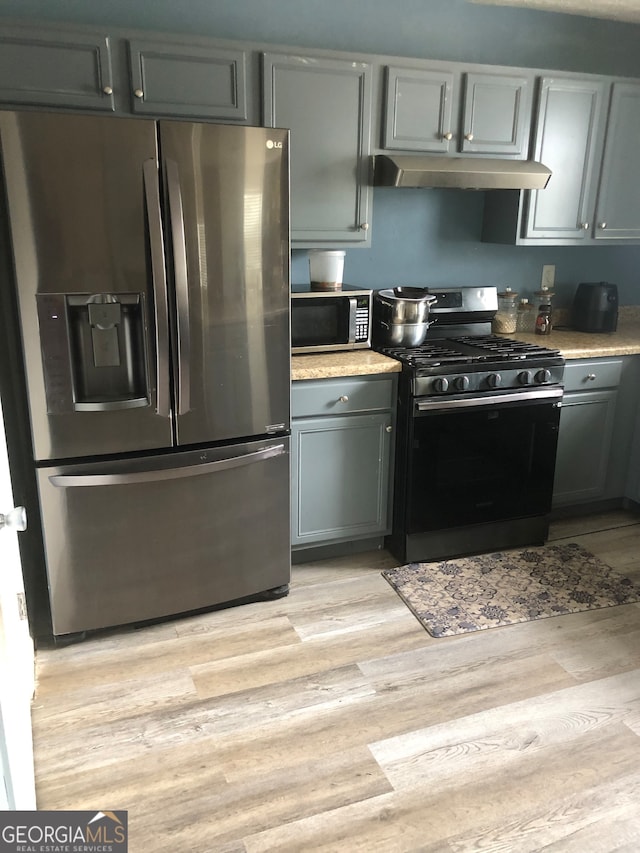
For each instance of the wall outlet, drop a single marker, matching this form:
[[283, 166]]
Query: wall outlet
[[548, 276]]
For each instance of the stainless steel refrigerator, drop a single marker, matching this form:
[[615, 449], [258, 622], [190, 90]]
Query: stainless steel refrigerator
[[151, 261]]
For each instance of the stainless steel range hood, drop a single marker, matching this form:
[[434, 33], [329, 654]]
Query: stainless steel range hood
[[471, 173]]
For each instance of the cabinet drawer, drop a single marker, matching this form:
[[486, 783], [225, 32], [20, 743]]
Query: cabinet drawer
[[340, 396], [591, 375]]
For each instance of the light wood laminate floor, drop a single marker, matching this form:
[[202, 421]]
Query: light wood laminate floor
[[330, 720]]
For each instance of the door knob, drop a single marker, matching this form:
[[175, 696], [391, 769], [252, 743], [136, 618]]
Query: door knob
[[16, 519], [138, 93], [469, 137], [448, 136]]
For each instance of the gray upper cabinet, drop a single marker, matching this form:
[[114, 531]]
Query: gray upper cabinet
[[569, 136], [326, 103], [182, 80], [448, 112], [618, 209], [586, 133], [419, 110], [496, 115], [57, 69]]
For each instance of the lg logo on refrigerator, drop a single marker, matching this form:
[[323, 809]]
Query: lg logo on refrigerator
[[271, 143]]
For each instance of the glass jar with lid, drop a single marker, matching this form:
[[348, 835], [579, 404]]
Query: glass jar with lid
[[505, 318], [526, 316]]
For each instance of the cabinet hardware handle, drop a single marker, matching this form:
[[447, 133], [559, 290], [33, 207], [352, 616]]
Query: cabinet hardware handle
[[388, 429], [591, 376], [448, 136], [469, 137], [108, 90], [16, 519], [343, 399], [365, 226], [602, 225], [585, 226], [138, 93]]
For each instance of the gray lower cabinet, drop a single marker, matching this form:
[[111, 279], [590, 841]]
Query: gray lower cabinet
[[587, 421], [326, 103], [55, 69], [446, 111], [341, 457], [178, 79]]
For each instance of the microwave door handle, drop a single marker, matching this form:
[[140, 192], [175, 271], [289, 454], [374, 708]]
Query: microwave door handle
[[159, 281], [353, 308], [176, 216]]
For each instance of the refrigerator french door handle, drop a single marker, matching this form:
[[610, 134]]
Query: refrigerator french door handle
[[176, 215], [64, 481], [159, 279]]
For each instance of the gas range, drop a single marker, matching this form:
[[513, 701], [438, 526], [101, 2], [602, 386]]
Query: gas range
[[476, 364], [477, 427]]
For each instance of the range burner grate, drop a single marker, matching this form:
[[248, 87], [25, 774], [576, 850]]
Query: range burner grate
[[465, 349], [496, 347], [431, 353]]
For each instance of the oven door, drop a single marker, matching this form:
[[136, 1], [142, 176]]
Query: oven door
[[474, 461]]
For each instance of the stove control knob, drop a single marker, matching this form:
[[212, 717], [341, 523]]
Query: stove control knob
[[543, 376], [461, 383], [494, 380], [440, 384], [524, 377]]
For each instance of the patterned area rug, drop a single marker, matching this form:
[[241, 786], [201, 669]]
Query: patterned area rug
[[474, 593]]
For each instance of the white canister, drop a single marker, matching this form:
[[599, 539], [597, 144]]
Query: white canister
[[326, 269]]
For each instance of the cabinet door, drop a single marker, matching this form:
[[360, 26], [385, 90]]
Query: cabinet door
[[340, 477], [584, 445], [180, 80], [326, 104], [497, 115], [569, 136], [419, 110], [618, 210], [61, 69]]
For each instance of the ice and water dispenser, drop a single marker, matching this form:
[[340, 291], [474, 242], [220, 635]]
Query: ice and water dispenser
[[93, 351]]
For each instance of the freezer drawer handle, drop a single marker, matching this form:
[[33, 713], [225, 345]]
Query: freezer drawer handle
[[64, 481], [182, 285], [152, 196]]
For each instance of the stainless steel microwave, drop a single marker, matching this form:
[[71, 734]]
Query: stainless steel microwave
[[330, 320]]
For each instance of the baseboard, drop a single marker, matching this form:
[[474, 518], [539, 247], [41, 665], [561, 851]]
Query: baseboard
[[337, 549]]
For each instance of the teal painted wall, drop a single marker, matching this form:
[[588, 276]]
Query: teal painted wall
[[418, 236]]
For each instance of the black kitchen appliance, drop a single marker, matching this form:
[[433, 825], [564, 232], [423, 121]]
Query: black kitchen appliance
[[595, 307], [476, 437]]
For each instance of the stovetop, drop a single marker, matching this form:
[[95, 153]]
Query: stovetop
[[475, 365], [469, 349]]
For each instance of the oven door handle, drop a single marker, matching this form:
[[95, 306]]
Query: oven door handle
[[531, 395]]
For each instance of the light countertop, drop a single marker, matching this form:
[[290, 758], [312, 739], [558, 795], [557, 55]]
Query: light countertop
[[625, 341], [351, 363]]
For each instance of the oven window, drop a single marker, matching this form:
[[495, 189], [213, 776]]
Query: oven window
[[319, 322], [481, 465]]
